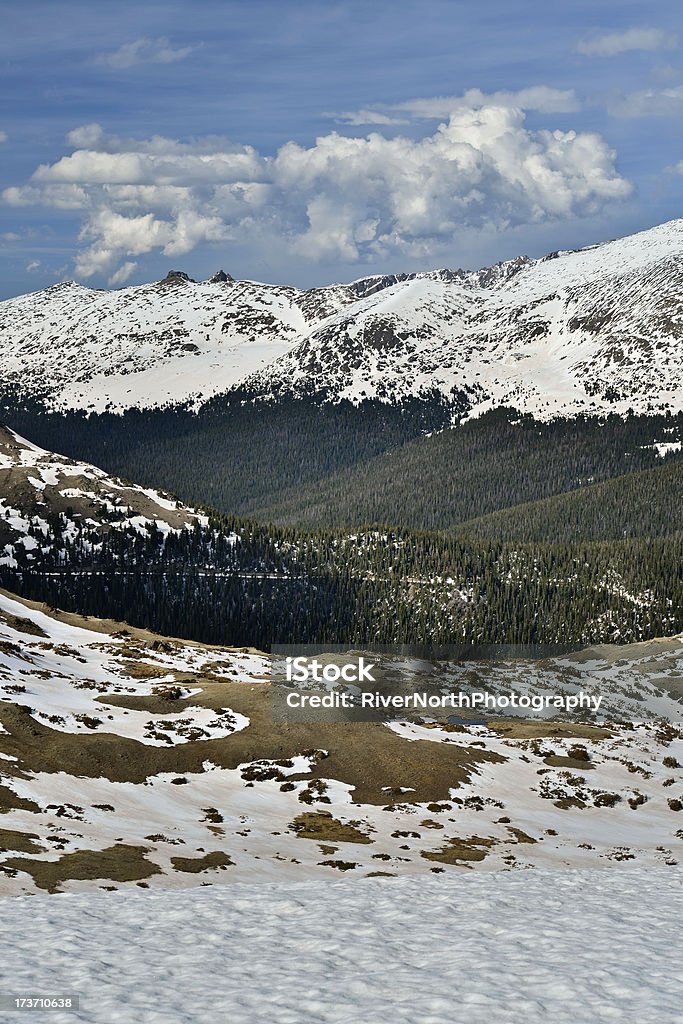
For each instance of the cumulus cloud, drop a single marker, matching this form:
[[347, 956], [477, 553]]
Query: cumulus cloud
[[611, 44], [61, 197], [90, 167], [543, 98], [341, 198], [143, 51], [648, 103]]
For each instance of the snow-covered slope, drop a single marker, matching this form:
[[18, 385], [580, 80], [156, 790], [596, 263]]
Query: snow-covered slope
[[587, 331], [37, 487], [130, 759], [176, 340], [168, 341]]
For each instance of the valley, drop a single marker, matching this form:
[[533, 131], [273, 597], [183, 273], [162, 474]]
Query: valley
[[380, 462]]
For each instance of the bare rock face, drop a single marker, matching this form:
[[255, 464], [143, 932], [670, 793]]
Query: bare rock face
[[175, 277]]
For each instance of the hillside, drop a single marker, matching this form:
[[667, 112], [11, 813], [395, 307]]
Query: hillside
[[497, 462], [175, 340], [297, 464], [590, 331], [645, 504], [234, 452], [221, 579], [130, 760], [40, 490]]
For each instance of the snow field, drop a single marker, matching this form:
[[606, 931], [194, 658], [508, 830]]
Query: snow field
[[526, 948]]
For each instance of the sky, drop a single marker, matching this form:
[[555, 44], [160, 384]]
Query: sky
[[310, 142]]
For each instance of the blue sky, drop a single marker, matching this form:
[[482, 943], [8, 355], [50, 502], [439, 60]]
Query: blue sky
[[311, 142]]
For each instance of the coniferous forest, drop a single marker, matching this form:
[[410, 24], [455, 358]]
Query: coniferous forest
[[375, 524], [239, 583], [295, 462]]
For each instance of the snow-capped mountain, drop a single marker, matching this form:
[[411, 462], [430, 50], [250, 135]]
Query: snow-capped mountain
[[587, 331], [173, 341]]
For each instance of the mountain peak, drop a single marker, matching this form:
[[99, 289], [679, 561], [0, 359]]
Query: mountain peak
[[220, 277], [177, 277]]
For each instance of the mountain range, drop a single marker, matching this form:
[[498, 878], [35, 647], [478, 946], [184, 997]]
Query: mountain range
[[414, 458], [586, 332], [447, 458]]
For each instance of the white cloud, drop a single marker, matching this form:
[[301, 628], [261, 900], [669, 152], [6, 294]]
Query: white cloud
[[482, 167], [543, 98], [10, 236], [140, 167], [61, 197], [611, 44], [341, 198], [537, 97], [648, 103], [88, 136], [122, 274], [366, 116], [3, 137], [33, 266], [144, 51]]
